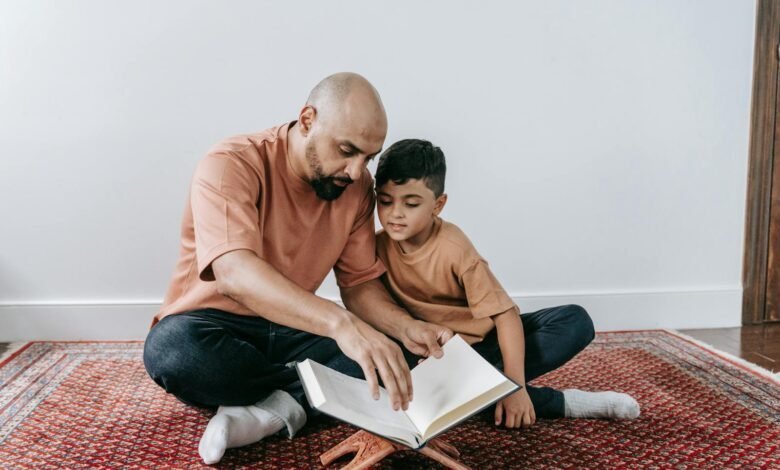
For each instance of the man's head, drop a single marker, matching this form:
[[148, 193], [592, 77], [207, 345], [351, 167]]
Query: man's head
[[410, 189], [341, 128]]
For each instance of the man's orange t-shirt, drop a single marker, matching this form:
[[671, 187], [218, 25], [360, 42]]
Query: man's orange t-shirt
[[445, 281], [244, 195]]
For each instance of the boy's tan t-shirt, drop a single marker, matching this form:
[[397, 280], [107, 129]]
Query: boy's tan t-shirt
[[244, 195], [445, 281]]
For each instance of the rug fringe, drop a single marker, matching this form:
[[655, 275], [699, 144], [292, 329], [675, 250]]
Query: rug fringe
[[12, 348], [742, 362]]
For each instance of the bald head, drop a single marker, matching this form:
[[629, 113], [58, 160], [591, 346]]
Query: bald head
[[347, 93]]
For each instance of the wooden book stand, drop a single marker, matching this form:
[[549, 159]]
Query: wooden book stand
[[371, 449]]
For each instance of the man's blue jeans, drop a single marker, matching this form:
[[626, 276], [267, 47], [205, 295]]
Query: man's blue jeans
[[210, 358]]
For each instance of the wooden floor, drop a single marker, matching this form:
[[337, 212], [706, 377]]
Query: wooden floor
[[759, 344]]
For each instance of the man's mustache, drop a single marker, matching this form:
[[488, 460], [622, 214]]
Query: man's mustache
[[343, 179]]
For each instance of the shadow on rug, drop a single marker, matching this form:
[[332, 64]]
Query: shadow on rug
[[91, 404]]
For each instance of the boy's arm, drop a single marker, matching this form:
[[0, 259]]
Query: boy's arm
[[374, 305], [511, 340]]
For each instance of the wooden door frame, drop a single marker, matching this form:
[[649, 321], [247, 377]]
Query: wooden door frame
[[760, 166]]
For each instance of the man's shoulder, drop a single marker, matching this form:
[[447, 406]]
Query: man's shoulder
[[382, 239], [253, 143]]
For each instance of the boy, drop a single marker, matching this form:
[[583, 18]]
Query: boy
[[436, 273]]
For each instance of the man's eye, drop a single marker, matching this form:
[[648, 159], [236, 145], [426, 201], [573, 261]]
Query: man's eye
[[347, 152]]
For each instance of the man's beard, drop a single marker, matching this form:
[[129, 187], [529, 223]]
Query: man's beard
[[326, 189], [324, 186]]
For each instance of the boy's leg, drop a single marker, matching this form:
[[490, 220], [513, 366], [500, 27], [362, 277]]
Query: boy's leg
[[553, 336]]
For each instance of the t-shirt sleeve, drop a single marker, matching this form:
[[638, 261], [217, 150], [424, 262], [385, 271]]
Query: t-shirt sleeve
[[484, 293], [223, 197], [359, 262]]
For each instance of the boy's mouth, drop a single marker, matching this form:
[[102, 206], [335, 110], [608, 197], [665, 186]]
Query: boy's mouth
[[395, 227]]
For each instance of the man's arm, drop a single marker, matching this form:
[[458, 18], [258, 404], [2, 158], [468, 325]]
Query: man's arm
[[371, 301], [252, 282]]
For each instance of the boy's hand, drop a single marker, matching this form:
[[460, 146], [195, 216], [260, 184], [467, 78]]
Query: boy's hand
[[425, 339], [518, 409]]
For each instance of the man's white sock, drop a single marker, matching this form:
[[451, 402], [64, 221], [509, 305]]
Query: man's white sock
[[236, 426], [581, 404]]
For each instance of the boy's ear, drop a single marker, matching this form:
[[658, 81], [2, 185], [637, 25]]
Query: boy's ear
[[441, 201]]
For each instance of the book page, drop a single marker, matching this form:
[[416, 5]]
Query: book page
[[442, 385], [350, 399], [467, 409]]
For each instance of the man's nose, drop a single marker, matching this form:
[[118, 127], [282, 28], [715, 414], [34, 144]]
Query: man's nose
[[354, 170]]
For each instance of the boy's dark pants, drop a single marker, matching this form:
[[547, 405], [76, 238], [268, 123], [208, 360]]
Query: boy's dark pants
[[552, 337], [211, 358]]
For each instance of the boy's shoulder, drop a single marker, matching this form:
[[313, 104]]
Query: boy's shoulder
[[453, 235]]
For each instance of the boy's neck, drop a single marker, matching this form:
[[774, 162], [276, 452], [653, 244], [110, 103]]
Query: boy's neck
[[412, 244]]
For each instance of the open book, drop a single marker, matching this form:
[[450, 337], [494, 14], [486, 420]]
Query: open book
[[446, 392]]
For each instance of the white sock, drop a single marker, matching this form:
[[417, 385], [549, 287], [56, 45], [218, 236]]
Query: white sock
[[236, 426], [581, 404]]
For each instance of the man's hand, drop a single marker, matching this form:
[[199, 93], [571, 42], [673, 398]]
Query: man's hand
[[376, 352], [425, 339], [518, 409]]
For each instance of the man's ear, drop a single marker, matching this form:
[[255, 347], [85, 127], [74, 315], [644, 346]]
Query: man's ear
[[306, 118], [441, 201]]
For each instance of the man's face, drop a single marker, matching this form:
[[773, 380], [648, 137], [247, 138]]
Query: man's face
[[339, 148], [329, 184]]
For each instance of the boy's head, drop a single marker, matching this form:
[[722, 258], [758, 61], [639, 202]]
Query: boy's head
[[410, 189]]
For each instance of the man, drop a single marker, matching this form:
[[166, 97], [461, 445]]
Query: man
[[269, 215]]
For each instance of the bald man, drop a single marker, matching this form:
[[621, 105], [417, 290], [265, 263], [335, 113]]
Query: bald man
[[269, 215]]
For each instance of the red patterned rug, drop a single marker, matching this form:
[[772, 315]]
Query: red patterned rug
[[92, 405]]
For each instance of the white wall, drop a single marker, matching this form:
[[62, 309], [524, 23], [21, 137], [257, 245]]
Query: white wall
[[597, 150]]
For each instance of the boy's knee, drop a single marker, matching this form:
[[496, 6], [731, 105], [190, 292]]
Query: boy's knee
[[581, 323]]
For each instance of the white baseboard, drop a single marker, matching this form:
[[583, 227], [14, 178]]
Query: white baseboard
[[650, 310], [107, 321], [130, 320]]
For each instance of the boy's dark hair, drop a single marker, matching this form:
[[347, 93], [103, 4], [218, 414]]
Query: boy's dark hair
[[413, 159]]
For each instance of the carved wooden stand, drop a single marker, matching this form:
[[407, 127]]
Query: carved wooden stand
[[371, 449]]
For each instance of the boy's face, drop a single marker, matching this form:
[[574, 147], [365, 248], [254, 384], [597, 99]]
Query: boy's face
[[406, 211]]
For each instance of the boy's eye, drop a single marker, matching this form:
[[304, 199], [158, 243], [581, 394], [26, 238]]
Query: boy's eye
[[412, 205], [384, 203]]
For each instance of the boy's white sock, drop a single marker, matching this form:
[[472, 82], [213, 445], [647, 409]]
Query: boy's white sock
[[236, 426], [581, 404]]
